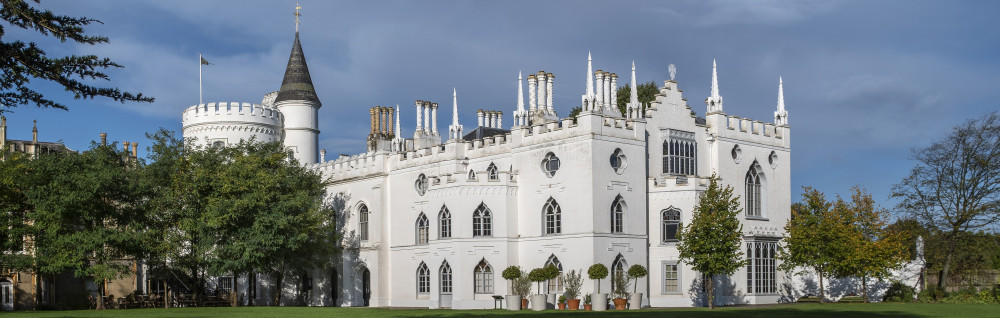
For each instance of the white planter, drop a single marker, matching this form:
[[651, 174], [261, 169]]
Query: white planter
[[635, 301], [538, 302], [599, 302], [513, 302]]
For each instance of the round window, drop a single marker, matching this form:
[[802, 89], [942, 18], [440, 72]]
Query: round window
[[737, 153], [550, 164], [421, 184], [618, 161]]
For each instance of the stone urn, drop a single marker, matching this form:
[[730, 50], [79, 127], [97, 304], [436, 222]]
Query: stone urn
[[513, 302], [635, 301], [599, 301], [538, 302]]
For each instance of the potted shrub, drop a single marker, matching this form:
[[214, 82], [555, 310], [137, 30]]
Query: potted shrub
[[586, 302], [522, 287], [562, 302], [538, 276], [597, 272], [620, 290], [551, 272], [573, 281], [635, 298], [510, 274]]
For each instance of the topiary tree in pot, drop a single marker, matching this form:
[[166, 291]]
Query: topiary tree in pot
[[538, 276], [512, 273], [635, 272], [597, 272]]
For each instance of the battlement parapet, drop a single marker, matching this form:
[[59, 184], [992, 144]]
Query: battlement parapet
[[232, 112], [348, 167]]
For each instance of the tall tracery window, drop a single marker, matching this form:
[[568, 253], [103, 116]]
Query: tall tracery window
[[753, 193], [555, 285], [553, 217], [492, 172], [423, 229], [444, 218], [446, 278], [363, 221], [618, 208], [482, 221], [483, 277], [761, 267], [423, 279], [670, 222], [680, 153], [618, 267]]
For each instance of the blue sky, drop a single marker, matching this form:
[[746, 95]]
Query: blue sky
[[865, 81]]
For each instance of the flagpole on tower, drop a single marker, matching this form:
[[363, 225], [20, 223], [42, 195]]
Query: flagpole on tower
[[200, 63]]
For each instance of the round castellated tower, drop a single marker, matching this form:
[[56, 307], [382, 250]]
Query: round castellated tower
[[298, 102], [227, 123]]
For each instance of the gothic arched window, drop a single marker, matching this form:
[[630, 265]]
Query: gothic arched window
[[618, 208], [491, 171], [555, 285], [553, 217], [423, 279], [363, 221], [444, 220], [670, 223], [423, 229], [483, 277], [482, 221], [445, 278], [753, 193]]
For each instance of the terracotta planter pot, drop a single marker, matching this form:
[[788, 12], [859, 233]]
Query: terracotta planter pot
[[588, 307], [573, 304], [620, 303], [562, 306], [524, 303]]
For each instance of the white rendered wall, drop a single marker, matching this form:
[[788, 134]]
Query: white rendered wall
[[301, 129], [206, 124]]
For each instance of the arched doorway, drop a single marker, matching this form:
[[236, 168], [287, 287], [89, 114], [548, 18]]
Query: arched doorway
[[6, 295], [366, 286], [334, 288], [445, 290]]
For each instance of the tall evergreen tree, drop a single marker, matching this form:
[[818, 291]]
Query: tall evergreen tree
[[711, 243], [21, 62]]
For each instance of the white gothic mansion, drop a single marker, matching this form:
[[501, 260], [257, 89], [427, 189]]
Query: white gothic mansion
[[435, 216]]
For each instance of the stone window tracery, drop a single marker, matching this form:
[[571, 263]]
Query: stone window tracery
[[753, 192], [553, 217], [363, 222], [444, 218], [618, 161], [680, 153], [550, 164], [423, 279], [483, 277], [670, 223], [492, 172], [618, 208], [423, 230], [482, 221], [421, 184]]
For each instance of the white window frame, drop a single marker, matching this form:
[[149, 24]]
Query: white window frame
[[676, 279], [363, 218], [492, 173], [762, 267], [666, 222], [753, 192], [483, 278], [551, 164], [619, 162], [444, 223], [618, 211], [552, 217], [482, 221], [423, 230], [555, 285], [680, 153], [423, 279], [447, 282]]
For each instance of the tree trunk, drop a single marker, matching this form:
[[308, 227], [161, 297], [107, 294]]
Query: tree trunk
[[100, 297], [822, 294], [943, 276], [864, 288], [710, 291]]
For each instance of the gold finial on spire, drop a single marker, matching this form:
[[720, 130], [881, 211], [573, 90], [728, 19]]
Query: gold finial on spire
[[297, 15]]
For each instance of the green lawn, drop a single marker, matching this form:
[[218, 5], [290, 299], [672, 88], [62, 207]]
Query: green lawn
[[773, 311]]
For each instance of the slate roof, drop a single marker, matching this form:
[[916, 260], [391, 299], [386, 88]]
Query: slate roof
[[297, 84], [483, 132]]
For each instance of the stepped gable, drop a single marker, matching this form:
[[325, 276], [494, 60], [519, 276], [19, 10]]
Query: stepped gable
[[297, 84]]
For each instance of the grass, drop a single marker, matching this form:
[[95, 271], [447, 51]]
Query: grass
[[771, 311]]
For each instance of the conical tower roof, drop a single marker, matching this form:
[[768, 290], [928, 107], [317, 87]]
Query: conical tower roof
[[297, 84]]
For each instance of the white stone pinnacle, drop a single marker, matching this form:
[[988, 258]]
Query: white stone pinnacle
[[634, 96], [590, 76], [520, 92], [399, 132], [715, 80]]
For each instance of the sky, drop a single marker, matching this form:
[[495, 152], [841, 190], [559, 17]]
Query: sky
[[865, 81]]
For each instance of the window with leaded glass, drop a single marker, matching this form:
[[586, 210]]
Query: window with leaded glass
[[482, 221], [423, 279], [363, 221], [670, 224], [444, 218], [762, 267], [423, 229], [618, 209], [680, 153], [753, 193], [553, 217], [483, 278]]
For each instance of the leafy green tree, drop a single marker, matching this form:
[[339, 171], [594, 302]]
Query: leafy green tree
[[538, 276], [636, 272], [14, 171], [21, 62], [87, 214], [510, 274], [954, 189], [874, 248], [647, 94], [814, 238], [711, 243], [247, 208]]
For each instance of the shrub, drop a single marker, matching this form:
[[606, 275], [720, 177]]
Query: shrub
[[621, 285], [562, 298], [522, 285], [573, 281], [598, 272], [899, 292], [586, 299], [636, 272]]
